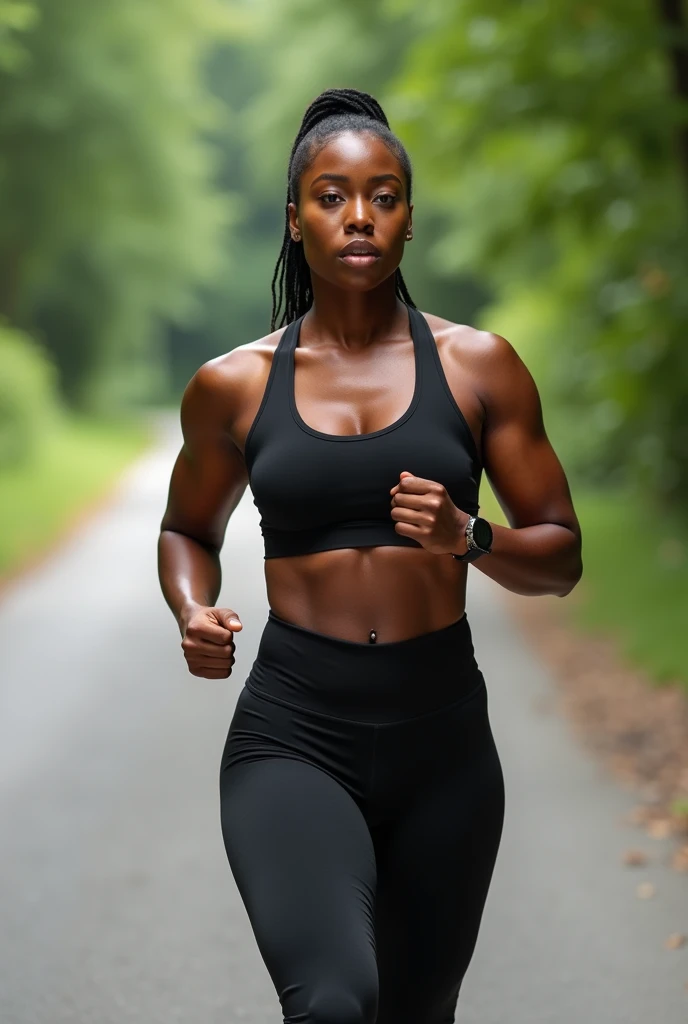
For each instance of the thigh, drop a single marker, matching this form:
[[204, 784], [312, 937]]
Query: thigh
[[435, 862], [303, 860]]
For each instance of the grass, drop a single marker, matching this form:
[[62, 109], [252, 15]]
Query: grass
[[77, 462], [635, 585]]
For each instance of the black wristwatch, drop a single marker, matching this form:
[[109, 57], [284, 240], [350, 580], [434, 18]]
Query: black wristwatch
[[478, 538]]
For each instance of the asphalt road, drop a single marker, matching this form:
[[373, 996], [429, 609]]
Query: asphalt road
[[116, 901]]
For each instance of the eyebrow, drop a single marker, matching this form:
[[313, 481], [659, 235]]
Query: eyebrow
[[326, 176]]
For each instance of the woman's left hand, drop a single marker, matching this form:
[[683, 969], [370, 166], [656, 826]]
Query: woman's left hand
[[423, 510]]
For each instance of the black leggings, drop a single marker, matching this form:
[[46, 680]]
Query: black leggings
[[362, 804]]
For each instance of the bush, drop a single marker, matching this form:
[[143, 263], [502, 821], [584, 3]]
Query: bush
[[29, 403]]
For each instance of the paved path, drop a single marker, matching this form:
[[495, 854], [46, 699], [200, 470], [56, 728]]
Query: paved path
[[116, 901]]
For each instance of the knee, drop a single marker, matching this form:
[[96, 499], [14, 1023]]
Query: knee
[[333, 1004]]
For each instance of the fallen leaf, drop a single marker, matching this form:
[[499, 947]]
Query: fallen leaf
[[645, 891], [635, 858], [675, 941], [660, 828], [679, 861]]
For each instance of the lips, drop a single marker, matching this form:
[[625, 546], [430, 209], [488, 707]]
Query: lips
[[359, 252], [359, 247], [359, 260]]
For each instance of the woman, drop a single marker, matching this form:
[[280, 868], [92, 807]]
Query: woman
[[362, 797]]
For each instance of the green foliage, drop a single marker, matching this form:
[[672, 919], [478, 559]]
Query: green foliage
[[29, 407], [109, 219], [549, 135], [15, 17], [635, 582]]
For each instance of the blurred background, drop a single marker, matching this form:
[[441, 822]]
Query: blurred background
[[143, 159]]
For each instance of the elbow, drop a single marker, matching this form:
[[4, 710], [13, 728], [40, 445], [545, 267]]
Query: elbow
[[571, 579], [213, 545]]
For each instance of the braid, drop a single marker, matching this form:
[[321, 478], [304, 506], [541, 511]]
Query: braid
[[330, 113]]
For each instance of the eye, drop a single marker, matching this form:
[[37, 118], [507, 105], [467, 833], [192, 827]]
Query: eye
[[329, 195], [387, 195]]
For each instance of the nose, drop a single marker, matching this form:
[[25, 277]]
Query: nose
[[360, 216]]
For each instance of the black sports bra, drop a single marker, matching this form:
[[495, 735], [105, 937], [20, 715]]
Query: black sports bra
[[317, 491]]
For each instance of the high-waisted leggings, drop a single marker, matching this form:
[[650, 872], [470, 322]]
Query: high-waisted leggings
[[362, 805]]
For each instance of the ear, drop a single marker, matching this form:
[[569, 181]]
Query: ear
[[294, 226]]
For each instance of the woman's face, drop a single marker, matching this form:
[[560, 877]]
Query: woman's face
[[354, 189]]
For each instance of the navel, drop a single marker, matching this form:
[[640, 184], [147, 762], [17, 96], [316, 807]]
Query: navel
[[372, 638]]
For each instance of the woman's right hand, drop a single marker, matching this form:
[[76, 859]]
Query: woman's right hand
[[208, 641]]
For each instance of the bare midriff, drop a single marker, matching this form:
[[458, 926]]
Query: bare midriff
[[397, 592]]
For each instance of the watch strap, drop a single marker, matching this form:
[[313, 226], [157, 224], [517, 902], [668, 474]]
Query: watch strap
[[474, 550], [470, 555]]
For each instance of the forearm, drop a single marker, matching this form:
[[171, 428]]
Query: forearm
[[533, 560], [189, 572]]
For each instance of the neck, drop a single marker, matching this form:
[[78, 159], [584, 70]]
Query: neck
[[354, 319]]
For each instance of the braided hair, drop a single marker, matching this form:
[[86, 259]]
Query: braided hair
[[332, 112]]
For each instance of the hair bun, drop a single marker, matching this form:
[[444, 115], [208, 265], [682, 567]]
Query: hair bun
[[342, 101]]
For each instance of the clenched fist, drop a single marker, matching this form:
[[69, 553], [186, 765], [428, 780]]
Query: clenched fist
[[208, 642], [422, 509]]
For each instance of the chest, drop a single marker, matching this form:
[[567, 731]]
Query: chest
[[344, 396], [302, 480]]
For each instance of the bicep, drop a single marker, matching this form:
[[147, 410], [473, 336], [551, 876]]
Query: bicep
[[520, 462], [209, 475]]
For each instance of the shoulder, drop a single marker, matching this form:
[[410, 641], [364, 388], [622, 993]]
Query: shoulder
[[236, 368], [221, 384], [489, 358]]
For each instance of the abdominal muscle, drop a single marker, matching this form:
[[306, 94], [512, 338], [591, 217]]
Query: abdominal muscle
[[398, 592]]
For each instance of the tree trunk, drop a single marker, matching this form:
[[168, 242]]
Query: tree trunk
[[672, 16]]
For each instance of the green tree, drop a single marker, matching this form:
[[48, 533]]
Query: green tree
[[109, 218], [552, 135]]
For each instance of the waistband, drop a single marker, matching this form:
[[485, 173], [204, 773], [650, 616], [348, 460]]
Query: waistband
[[362, 681]]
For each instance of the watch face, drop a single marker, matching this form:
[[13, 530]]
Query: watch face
[[482, 533]]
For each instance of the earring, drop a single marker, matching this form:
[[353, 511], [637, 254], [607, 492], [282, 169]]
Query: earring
[[296, 237]]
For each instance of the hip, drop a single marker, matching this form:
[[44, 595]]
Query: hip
[[367, 682], [447, 754]]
